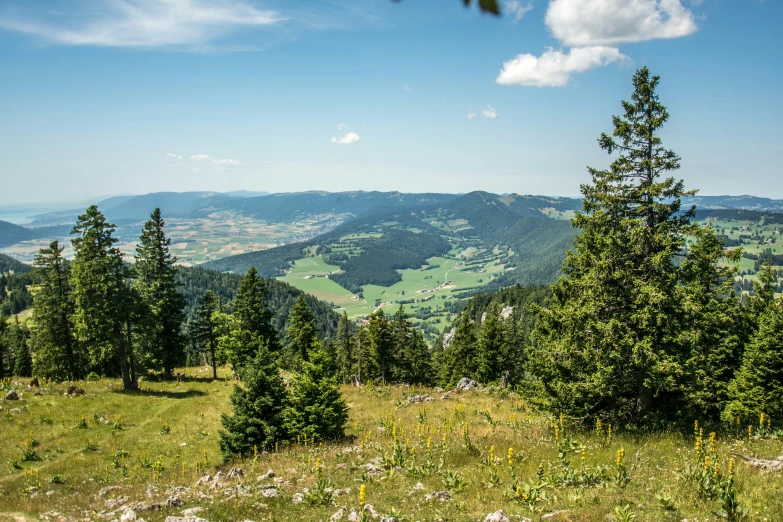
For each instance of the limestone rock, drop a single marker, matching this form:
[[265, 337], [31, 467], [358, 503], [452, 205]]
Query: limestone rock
[[497, 516], [440, 496]]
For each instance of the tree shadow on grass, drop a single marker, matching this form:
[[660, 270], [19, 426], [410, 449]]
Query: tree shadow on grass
[[184, 394]]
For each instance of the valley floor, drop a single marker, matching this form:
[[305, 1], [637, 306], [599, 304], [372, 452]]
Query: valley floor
[[94, 456]]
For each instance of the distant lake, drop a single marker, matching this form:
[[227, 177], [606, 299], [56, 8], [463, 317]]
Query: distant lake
[[18, 218]]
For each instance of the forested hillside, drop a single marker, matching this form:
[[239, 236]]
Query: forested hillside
[[381, 257], [286, 207], [280, 298], [11, 234]]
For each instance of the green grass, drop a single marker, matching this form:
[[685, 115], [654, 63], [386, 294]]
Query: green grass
[[168, 435]]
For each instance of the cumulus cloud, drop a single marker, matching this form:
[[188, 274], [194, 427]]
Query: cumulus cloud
[[517, 9], [342, 126], [471, 115], [555, 67], [137, 23], [489, 113], [593, 29], [348, 139], [200, 157], [175, 156], [614, 22]]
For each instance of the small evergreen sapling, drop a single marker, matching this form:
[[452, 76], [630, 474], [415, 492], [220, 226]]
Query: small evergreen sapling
[[258, 403], [315, 407]]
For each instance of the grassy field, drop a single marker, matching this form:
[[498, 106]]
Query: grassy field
[[90, 457], [425, 286]]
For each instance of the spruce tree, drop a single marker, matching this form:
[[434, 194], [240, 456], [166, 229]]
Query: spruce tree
[[3, 348], [58, 355], [257, 404], [458, 360], [315, 407], [609, 344], [381, 345], [301, 332], [758, 386], [164, 305], [344, 348], [204, 329], [716, 322], [102, 296], [489, 357], [23, 360], [255, 320]]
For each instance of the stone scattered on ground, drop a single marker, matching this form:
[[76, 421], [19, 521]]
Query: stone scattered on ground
[[339, 514], [73, 391], [497, 516], [418, 487], [12, 395], [466, 384], [440, 496], [419, 398]]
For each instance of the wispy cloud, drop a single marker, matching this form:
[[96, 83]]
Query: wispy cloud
[[348, 139], [517, 10], [407, 88], [218, 163], [175, 156], [489, 113], [137, 23], [342, 126], [471, 115]]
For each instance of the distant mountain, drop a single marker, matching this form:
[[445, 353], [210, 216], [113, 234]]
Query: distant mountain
[[246, 194], [734, 202], [535, 245], [291, 206], [171, 204], [11, 234]]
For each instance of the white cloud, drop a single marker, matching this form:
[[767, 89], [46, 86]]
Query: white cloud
[[226, 163], [138, 23], [407, 88], [554, 67], [218, 163], [175, 156], [471, 115], [489, 113], [517, 9], [348, 139], [614, 22], [342, 126]]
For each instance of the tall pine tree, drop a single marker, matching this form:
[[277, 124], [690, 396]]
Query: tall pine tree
[[58, 355], [23, 360], [301, 332], [344, 348], [379, 334], [609, 344], [164, 305], [255, 320], [205, 330], [102, 297]]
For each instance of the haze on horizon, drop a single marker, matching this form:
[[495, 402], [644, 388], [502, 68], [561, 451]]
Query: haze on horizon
[[138, 96]]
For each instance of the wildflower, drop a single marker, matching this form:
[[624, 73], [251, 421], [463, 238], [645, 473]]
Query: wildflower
[[510, 457], [761, 420], [712, 442], [582, 457], [557, 433], [731, 466], [750, 431], [620, 457], [706, 462], [362, 495]]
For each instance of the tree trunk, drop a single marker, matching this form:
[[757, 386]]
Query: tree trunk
[[214, 363]]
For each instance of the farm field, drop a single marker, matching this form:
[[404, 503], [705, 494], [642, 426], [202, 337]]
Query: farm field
[[422, 290], [196, 241], [98, 455]]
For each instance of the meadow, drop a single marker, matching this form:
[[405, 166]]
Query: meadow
[[412, 453]]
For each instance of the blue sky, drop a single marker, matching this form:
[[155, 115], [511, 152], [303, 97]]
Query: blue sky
[[135, 96]]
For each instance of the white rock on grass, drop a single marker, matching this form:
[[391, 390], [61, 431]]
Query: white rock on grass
[[192, 511], [128, 515], [441, 496], [339, 514], [298, 498], [497, 516]]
